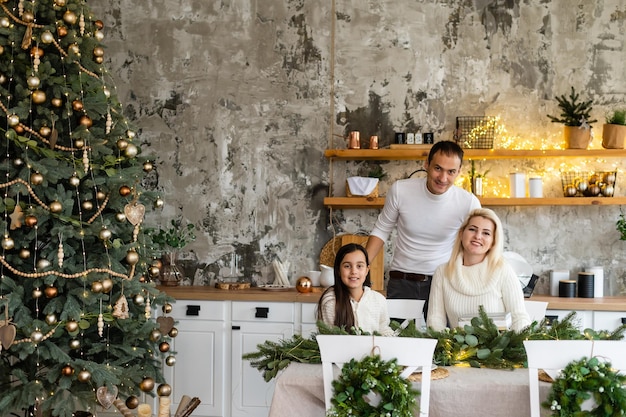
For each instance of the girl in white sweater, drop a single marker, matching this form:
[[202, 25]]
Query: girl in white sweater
[[476, 274], [349, 303]]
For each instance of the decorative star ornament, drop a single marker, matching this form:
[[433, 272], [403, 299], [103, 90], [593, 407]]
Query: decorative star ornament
[[16, 218]]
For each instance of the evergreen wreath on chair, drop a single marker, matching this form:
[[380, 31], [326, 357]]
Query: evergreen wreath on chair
[[585, 379], [372, 387]]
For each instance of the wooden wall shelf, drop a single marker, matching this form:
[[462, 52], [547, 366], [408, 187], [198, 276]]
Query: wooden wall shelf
[[378, 202], [417, 154]]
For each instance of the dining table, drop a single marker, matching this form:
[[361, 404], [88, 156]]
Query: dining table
[[462, 391]]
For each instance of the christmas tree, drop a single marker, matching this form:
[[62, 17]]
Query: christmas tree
[[77, 327]]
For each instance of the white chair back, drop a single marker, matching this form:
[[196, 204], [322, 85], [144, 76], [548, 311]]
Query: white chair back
[[536, 310], [406, 309], [411, 352], [554, 355]]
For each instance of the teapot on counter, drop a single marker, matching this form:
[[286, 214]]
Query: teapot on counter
[[327, 278]]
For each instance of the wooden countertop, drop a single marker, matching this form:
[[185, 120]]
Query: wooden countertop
[[617, 303]]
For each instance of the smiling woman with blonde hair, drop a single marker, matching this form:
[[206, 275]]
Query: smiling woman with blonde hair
[[476, 274]]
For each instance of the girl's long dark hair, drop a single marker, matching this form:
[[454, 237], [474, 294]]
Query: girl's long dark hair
[[344, 317]]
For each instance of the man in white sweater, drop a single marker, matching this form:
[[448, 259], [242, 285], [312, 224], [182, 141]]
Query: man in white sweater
[[426, 213]]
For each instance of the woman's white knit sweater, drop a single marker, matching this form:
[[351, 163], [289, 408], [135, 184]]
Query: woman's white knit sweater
[[370, 312], [472, 286]]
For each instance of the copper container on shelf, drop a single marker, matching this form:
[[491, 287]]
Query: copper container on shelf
[[373, 142], [354, 140]]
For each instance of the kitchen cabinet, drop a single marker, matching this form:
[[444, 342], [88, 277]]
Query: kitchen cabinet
[[200, 348], [308, 319], [583, 318], [254, 323], [472, 154], [608, 320]]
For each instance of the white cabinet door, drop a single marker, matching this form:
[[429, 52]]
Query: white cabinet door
[[253, 324], [308, 319], [200, 351], [608, 320], [583, 319]]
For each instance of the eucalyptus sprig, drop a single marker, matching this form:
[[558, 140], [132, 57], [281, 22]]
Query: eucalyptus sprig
[[176, 237]]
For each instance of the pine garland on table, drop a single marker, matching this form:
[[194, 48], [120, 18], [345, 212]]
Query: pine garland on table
[[480, 344]]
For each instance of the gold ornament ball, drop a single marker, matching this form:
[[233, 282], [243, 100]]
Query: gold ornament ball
[[37, 293], [84, 376], [107, 285], [98, 51], [5, 22], [13, 120], [30, 221], [56, 102], [71, 326], [132, 257], [79, 143], [139, 299], [158, 203], [36, 51], [131, 151], [147, 166], [19, 129], [51, 292], [39, 97], [132, 402], [164, 390], [96, 287], [77, 105], [99, 24], [85, 121], [593, 190], [28, 16], [87, 205], [36, 178], [155, 335], [105, 234], [43, 263], [51, 319], [122, 144], [609, 178], [56, 207], [33, 82], [125, 190], [18, 162], [101, 195], [47, 37], [130, 134], [146, 385], [36, 336], [167, 308], [120, 217], [74, 181], [62, 31], [8, 243], [45, 131], [69, 17], [154, 271], [67, 370], [74, 344], [164, 347], [24, 253], [173, 332], [304, 285], [99, 35], [608, 190], [170, 360], [59, 3]]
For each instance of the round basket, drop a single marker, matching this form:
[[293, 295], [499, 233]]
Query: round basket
[[329, 251]]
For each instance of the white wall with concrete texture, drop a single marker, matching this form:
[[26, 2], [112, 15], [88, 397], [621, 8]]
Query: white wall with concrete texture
[[240, 98]]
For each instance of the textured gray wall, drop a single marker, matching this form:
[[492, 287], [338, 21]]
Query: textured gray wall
[[239, 99]]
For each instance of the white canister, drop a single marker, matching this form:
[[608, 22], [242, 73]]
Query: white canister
[[535, 187], [598, 280], [557, 275], [518, 184]]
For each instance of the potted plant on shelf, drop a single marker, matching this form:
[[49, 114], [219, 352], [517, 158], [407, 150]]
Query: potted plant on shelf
[[168, 243], [575, 115], [614, 130]]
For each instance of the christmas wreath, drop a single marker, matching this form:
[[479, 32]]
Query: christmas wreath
[[585, 379], [372, 387]]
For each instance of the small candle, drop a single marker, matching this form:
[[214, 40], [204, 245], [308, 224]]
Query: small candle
[[144, 410]]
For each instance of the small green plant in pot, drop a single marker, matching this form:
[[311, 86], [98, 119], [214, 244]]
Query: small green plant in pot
[[168, 242], [576, 118], [614, 130]]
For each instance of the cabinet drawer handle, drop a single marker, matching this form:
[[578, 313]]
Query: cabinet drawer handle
[[550, 319], [623, 320], [262, 312], [236, 327], [193, 310]]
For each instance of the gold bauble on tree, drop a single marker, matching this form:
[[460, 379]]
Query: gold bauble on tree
[[39, 97], [84, 376], [71, 326], [51, 291], [147, 384], [107, 285], [77, 105], [56, 102], [25, 253], [167, 308], [132, 257], [8, 243], [30, 221], [173, 332], [96, 287], [36, 178], [164, 347], [67, 370], [86, 121], [69, 17], [170, 360], [74, 344], [62, 31], [132, 402], [56, 207], [125, 190]]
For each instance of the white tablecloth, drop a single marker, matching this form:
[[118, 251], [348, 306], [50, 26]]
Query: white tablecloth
[[465, 392]]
